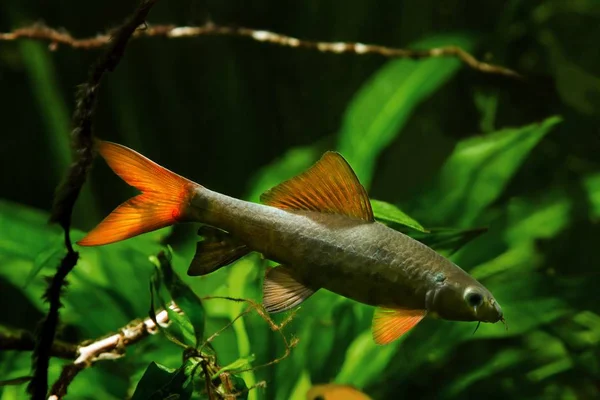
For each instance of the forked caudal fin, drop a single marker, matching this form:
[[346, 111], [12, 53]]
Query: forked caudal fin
[[163, 201]]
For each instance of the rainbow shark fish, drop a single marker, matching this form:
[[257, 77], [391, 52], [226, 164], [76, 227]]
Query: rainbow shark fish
[[318, 226]]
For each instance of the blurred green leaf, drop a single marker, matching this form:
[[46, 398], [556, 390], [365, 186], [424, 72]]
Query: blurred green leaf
[[380, 109], [577, 87], [117, 274], [240, 363], [50, 257], [592, 186], [447, 241], [365, 360], [186, 328], [476, 173], [183, 296], [386, 212], [505, 359], [160, 382]]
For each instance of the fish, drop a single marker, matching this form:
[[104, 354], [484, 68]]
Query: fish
[[334, 391], [318, 227]]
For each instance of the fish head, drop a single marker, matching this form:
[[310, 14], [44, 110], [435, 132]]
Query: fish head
[[465, 300]]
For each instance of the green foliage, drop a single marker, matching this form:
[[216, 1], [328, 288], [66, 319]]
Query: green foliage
[[160, 382], [380, 109], [189, 325], [390, 214], [504, 178], [477, 171]]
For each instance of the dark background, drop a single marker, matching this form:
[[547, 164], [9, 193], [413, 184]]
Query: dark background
[[220, 109]]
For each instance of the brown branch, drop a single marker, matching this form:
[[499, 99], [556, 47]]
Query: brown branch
[[56, 37], [114, 345], [23, 340], [259, 309], [68, 192], [108, 348]]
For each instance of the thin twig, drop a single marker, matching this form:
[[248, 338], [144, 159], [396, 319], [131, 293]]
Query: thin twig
[[108, 348], [23, 340], [114, 345], [252, 305], [68, 192], [62, 37]]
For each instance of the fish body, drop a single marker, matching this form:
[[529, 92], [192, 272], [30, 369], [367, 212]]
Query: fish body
[[364, 261], [319, 226]]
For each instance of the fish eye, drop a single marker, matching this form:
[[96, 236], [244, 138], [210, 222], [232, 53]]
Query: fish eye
[[474, 299]]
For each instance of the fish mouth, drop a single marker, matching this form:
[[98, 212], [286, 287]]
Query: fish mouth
[[491, 313]]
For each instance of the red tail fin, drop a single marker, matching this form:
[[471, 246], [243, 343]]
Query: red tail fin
[[163, 201]]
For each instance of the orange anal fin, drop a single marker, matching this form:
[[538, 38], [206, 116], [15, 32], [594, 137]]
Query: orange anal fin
[[216, 250], [282, 291], [391, 324], [330, 186], [163, 202]]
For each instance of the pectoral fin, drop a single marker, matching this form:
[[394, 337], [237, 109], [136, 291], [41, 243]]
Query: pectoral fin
[[282, 291], [390, 324], [215, 250]]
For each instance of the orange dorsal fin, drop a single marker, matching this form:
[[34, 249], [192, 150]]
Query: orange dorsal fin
[[163, 201], [330, 186], [390, 324]]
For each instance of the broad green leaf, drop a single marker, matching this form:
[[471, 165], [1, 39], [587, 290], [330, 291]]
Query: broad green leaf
[[187, 328], [240, 363], [380, 109], [577, 87], [592, 185], [179, 331], [183, 296], [116, 274], [502, 361], [243, 275], [386, 212], [476, 174], [160, 382], [365, 360], [302, 386], [537, 218], [50, 257]]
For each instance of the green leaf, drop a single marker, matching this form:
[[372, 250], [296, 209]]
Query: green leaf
[[51, 256], [476, 174], [592, 185], [365, 360], [192, 321], [447, 241], [389, 213], [160, 382], [381, 108], [504, 360], [240, 363], [179, 330]]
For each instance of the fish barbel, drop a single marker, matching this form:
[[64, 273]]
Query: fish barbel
[[318, 226]]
